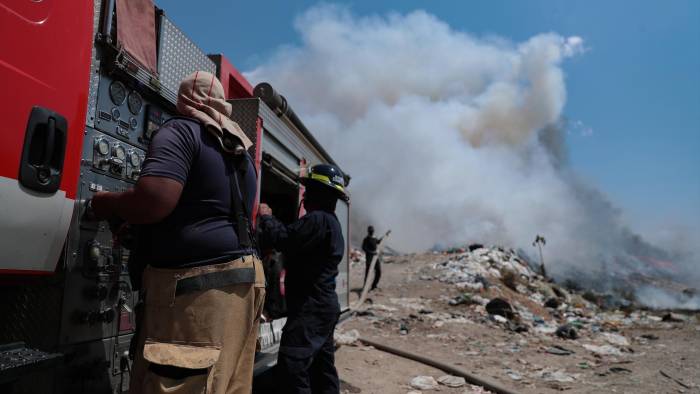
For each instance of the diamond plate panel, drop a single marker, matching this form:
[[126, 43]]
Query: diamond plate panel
[[31, 312], [178, 56], [245, 113]]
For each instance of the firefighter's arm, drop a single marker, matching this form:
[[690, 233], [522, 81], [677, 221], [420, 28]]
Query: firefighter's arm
[[289, 239], [153, 199]]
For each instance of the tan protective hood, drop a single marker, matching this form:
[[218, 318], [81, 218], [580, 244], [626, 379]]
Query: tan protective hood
[[201, 96]]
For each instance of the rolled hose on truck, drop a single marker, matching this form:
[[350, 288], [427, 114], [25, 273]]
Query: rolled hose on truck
[[451, 369]]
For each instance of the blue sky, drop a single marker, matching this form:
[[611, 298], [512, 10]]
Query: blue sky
[[637, 87]]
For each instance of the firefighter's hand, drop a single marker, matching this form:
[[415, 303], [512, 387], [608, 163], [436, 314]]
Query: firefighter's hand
[[264, 210], [100, 206]]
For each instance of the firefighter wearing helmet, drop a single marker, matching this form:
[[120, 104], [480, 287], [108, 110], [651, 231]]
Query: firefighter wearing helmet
[[313, 247]]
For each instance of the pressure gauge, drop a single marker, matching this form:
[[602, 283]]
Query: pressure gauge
[[102, 146], [135, 102], [134, 159], [117, 92], [119, 152]]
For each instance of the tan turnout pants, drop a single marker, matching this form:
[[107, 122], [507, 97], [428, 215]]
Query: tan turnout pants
[[196, 339]]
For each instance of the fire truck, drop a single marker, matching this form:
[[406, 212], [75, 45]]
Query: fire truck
[[85, 85]]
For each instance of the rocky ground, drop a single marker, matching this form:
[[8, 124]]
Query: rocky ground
[[438, 305]]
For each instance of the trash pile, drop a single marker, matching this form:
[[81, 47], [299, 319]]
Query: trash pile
[[500, 284], [497, 288]]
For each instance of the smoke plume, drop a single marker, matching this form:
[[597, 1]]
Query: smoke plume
[[451, 138]]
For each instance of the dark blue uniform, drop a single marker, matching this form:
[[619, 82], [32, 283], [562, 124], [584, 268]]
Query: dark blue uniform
[[313, 247]]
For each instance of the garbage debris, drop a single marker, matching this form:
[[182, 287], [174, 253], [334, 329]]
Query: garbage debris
[[461, 299], [673, 318], [552, 303], [666, 375], [500, 307], [604, 350], [619, 370], [500, 290], [615, 339], [559, 350], [424, 383], [567, 331], [452, 381], [514, 375], [560, 375], [348, 338]]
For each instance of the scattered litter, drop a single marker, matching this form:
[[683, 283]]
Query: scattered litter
[[615, 339], [461, 299], [559, 351], [476, 390], [619, 370], [410, 303], [673, 318], [365, 312], [500, 307], [348, 338], [604, 350], [664, 374], [514, 375], [500, 319], [452, 381], [567, 331], [561, 376], [382, 308], [424, 383], [552, 303]]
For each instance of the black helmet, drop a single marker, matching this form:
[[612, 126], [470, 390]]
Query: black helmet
[[329, 176]]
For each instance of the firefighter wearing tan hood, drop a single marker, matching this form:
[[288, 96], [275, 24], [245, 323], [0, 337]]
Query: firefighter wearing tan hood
[[201, 96]]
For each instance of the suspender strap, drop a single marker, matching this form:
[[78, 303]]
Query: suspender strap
[[215, 280], [239, 213]]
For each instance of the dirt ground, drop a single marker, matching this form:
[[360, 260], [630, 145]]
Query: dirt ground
[[667, 361]]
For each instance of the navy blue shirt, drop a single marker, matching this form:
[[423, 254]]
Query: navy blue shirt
[[313, 246], [200, 229]]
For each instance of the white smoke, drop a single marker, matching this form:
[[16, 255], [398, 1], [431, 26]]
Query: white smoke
[[449, 138]]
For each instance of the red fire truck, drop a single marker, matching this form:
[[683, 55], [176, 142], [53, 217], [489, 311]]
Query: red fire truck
[[85, 84]]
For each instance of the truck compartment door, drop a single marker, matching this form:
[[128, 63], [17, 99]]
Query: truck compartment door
[[44, 73]]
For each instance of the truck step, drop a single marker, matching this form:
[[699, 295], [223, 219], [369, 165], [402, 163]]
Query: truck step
[[17, 360]]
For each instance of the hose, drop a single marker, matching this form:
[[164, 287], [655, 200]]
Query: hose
[[450, 369]]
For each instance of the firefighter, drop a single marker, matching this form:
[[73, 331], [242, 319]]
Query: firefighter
[[369, 246], [203, 284], [313, 246]]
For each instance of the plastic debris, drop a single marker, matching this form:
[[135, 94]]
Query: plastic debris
[[567, 331], [615, 339], [559, 350], [514, 375], [461, 299], [424, 383], [452, 381], [348, 338], [673, 318], [552, 303], [604, 350], [500, 307], [560, 375]]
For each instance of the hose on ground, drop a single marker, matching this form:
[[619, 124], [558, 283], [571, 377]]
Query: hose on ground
[[450, 369]]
